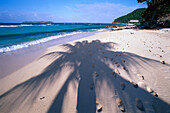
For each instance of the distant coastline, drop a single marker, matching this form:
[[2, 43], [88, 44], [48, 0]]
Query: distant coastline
[[44, 22]]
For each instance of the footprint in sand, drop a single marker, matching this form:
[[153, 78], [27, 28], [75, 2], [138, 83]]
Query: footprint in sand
[[116, 71], [98, 106], [142, 85], [141, 76], [111, 59], [155, 94], [91, 86], [133, 83], [105, 56], [152, 91], [149, 50], [163, 62], [42, 98], [96, 74], [117, 65], [159, 55], [116, 62], [159, 48], [120, 104], [149, 90], [124, 68], [123, 60], [139, 104], [122, 85], [114, 74]]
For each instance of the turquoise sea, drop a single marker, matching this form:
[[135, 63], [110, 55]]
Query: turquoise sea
[[18, 35]]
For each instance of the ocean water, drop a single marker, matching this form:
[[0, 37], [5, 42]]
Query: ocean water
[[17, 36]]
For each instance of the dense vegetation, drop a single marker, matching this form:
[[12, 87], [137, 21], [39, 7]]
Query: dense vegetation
[[157, 13], [135, 15]]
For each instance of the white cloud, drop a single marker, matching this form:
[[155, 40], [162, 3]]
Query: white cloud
[[97, 13], [8, 16], [100, 12]]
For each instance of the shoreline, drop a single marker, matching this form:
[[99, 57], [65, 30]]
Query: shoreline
[[76, 76], [22, 57]]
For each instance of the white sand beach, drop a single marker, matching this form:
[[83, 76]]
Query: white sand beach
[[109, 72]]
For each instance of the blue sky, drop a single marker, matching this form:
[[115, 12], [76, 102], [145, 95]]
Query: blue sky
[[93, 11]]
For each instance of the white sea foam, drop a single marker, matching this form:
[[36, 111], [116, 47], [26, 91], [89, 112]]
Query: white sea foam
[[25, 25], [27, 44], [8, 25], [39, 41], [101, 29]]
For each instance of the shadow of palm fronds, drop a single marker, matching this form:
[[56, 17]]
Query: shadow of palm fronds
[[82, 60]]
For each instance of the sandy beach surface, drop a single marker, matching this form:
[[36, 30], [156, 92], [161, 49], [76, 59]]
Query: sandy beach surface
[[108, 72]]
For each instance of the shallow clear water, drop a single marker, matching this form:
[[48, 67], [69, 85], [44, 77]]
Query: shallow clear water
[[17, 36]]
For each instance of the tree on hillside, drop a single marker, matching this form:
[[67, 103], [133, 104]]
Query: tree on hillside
[[156, 9], [135, 15]]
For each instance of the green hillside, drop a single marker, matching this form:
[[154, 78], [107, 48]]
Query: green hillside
[[135, 15]]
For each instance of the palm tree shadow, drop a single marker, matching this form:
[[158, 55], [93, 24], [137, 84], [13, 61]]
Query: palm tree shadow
[[86, 100], [84, 59]]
